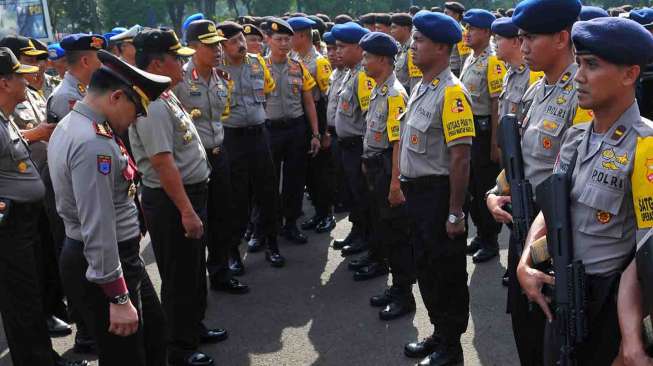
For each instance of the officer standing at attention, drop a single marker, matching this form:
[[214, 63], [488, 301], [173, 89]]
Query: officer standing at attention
[[125, 43], [607, 215], [390, 223], [247, 141], [93, 175], [401, 29], [353, 102], [254, 39], [290, 110], [460, 53], [482, 75], [175, 169], [434, 160]]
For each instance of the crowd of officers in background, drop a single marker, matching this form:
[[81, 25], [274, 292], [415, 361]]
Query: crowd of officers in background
[[217, 138]]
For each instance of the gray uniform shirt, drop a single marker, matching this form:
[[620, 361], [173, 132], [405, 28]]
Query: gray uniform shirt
[[438, 117], [49, 84], [205, 101], [168, 129], [602, 210], [402, 68], [19, 179], [66, 94], [88, 170], [248, 93], [352, 105], [319, 68], [28, 115], [515, 84], [482, 75], [286, 100], [334, 87], [387, 103]]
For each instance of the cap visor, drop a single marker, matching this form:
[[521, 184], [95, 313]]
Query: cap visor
[[26, 69], [213, 40], [185, 51], [34, 52]]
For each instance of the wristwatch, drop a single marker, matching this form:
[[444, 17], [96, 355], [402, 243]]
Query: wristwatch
[[120, 299], [454, 219]]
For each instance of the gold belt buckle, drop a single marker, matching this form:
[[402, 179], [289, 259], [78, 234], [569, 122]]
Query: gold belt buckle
[[216, 150]]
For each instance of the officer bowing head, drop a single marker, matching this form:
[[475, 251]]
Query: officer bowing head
[[12, 81], [379, 51], [159, 51], [122, 92], [347, 37]]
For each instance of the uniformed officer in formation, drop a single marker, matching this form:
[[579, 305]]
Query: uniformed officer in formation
[[482, 75], [247, 142], [435, 152], [254, 38], [605, 213], [460, 53], [125, 44], [291, 116], [401, 30], [175, 173], [93, 175], [389, 221], [382, 23], [205, 93]]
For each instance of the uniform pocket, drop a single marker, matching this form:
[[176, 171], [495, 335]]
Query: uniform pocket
[[346, 103], [417, 134], [259, 94], [549, 137], [601, 212]]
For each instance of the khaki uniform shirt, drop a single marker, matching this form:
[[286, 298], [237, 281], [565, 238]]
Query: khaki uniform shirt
[[482, 76], [291, 79], [387, 103], [28, 115]]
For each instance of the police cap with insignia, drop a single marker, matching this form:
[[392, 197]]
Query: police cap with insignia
[[229, 29], [55, 52], [329, 38], [342, 19], [203, 31], [479, 18], [20, 45], [455, 7], [40, 46], [367, 19], [83, 42], [251, 29], [277, 25], [617, 40], [383, 18], [402, 19], [505, 28], [379, 43], [438, 27], [160, 40], [126, 36], [643, 16], [143, 87], [9, 64], [300, 23], [349, 32], [546, 16], [591, 12]]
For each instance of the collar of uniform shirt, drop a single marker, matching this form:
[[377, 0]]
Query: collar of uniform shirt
[[85, 110]]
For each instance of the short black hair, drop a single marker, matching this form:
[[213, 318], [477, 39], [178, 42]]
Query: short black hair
[[144, 59], [73, 57]]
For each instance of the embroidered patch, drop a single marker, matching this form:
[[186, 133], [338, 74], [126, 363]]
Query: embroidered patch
[[603, 217], [22, 167], [546, 143], [102, 130], [414, 139], [81, 88], [104, 164]]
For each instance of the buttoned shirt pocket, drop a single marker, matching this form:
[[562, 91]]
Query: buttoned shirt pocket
[[549, 137], [417, 133], [258, 88], [346, 101], [600, 213]]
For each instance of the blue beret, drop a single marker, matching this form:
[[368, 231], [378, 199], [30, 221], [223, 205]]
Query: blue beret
[[118, 30], [642, 16], [617, 40], [55, 52], [107, 36], [379, 43], [591, 12], [546, 16], [300, 23], [505, 27], [83, 42], [349, 32], [438, 27], [190, 19], [479, 18], [329, 38]]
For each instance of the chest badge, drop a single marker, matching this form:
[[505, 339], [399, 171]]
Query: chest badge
[[561, 100], [22, 167], [603, 217], [195, 113], [546, 143], [414, 139], [104, 164], [81, 88], [611, 159]]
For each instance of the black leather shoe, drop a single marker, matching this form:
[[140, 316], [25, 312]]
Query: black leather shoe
[[194, 359], [372, 271], [275, 258], [326, 225], [422, 348], [58, 327], [292, 234], [474, 246], [358, 263], [397, 309], [357, 246], [379, 301], [212, 335], [311, 223], [255, 244], [236, 266], [84, 343], [484, 255], [505, 281], [233, 286], [64, 362], [341, 243], [443, 357]]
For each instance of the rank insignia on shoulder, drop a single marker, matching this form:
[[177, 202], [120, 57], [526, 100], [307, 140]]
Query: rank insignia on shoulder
[[384, 90], [104, 164], [81, 88], [103, 130], [435, 82], [618, 132], [565, 77], [521, 68], [561, 100], [222, 74]]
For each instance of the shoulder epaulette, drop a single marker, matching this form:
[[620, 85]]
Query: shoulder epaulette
[[102, 129]]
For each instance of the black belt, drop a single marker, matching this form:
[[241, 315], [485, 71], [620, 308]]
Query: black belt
[[377, 160], [285, 122], [133, 241], [332, 130], [350, 141], [196, 187], [245, 131], [425, 182]]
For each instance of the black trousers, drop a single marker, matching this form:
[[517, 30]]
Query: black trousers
[[252, 178], [482, 177], [221, 236], [145, 347], [351, 149], [340, 194], [181, 262], [322, 177], [440, 261], [390, 226], [20, 296]]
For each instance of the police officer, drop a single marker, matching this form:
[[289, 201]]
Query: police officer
[[401, 29], [57, 62], [368, 21], [125, 44], [247, 141], [175, 169], [254, 38], [460, 53], [390, 223], [205, 93], [92, 175], [382, 22], [482, 75], [606, 214], [290, 110], [435, 153], [353, 103]]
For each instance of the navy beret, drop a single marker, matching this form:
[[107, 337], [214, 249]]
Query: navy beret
[[301, 23], [329, 38], [83, 42], [546, 16], [591, 12], [349, 32], [617, 40], [642, 16], [438, 27], [55, 52], [479, 18], [505, 27], [107, 36], [379, 43]]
